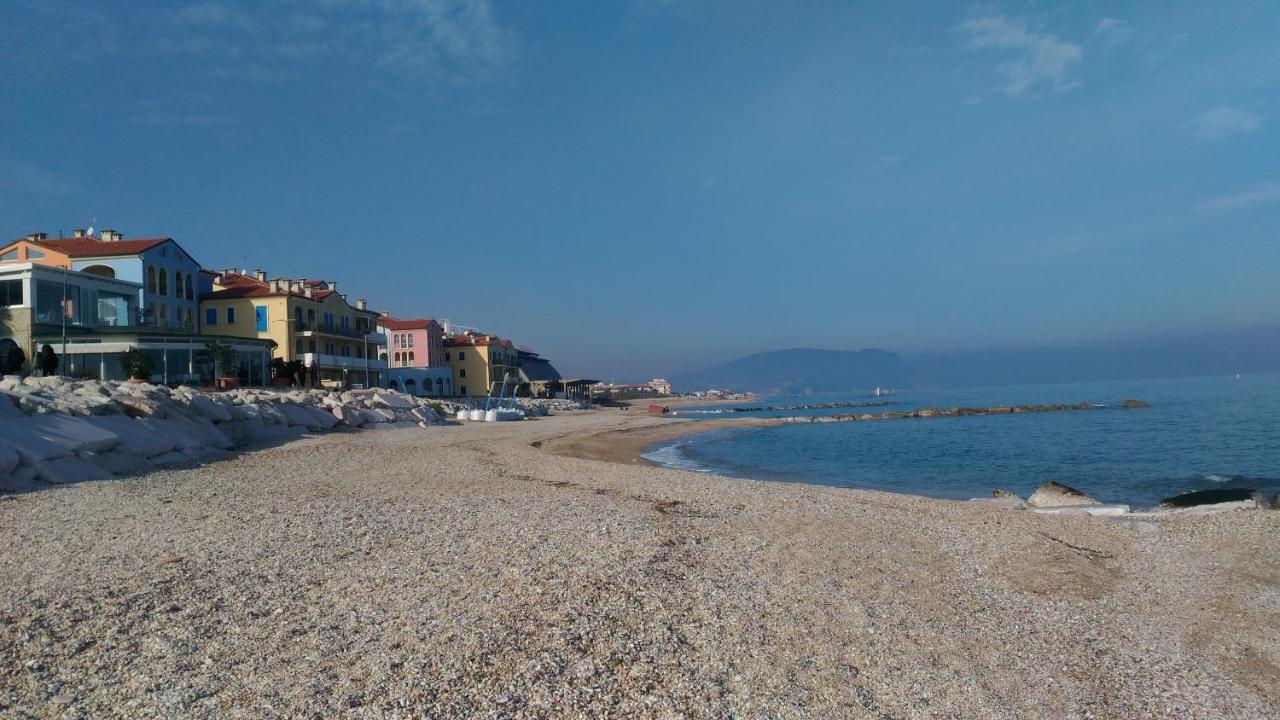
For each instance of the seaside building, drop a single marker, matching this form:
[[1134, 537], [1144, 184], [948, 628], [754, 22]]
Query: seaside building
[[307, 320], [479, 361], [415, 354], [540, 379], [90, 319], [166, 274], [660, 386]]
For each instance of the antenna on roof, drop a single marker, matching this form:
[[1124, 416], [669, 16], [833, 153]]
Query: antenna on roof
[[92, 220]]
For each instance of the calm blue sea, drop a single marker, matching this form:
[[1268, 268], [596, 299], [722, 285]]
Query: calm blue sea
[[1199, 433]]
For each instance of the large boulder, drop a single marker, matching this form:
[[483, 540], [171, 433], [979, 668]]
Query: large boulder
[[140, 407], [68, 469], [29, 445], [9, 406], [298, 415], [208, 408], [72, 433], [118, 462], [9, 457], [1215, 500], [388, 400], [351, 417], [135, 437], [1053, 494], [321, 418]]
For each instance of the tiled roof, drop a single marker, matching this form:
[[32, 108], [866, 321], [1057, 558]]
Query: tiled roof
[[93, 247], [391, 323], [476, 340]]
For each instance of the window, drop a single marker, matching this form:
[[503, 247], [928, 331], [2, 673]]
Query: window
[[297, 317], [346, 351], [346, 322], [462, 372], [462, 355], [10, 293], [396, 358], [446, 357], [164, 282], [211, 316], [410, 339], [34, 254], [190, 295], [297, 346], [231, 316], [151, 278], [177, 284], [9, 256], [260, 317], [410, 358], [462, 390], [328, 321]]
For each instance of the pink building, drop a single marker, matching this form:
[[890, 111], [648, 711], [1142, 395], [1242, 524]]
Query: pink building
[[413, 343]]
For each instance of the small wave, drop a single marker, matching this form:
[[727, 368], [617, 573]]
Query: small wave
[[1218, 478], [673, 456]]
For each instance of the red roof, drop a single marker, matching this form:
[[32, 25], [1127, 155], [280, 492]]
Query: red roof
[[93, 247], [391, 323], [477, 340]]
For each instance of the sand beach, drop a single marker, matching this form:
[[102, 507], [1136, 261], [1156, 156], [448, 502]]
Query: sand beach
[[528, 570]]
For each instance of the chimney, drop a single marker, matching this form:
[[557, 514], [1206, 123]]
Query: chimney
[[333, 286], [37, 236], [261, 275], [79, 232], [109, 235], [361, 304], [308, 292]]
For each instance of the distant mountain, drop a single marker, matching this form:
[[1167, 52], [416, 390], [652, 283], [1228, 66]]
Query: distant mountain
[[802, 370]]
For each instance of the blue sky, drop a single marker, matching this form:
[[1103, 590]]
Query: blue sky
[[641, 188]]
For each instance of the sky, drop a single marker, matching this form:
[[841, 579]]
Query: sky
[[641, 188]]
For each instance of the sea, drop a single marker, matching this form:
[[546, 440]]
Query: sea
[[1199, 433]]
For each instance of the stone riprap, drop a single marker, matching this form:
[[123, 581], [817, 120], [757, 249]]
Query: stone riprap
[[60, 430], [927, 412], [532, 407]]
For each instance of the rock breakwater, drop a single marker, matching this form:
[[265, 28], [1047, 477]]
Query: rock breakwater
[[56, 430], [928, 412]]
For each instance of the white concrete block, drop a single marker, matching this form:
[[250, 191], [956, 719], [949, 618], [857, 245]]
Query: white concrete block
[[135, 436], [30, 445]]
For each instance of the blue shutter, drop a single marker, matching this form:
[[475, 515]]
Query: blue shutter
[[260, 312]]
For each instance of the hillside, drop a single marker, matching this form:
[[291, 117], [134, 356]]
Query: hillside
[[803, 370]]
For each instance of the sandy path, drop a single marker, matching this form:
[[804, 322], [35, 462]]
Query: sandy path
[[463, 572]]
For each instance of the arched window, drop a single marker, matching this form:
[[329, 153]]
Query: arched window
[[439, 386], [297, 317], [100, 270], [411, 357], [164, 282], [190, 293], [177, 284], [151, 278], [396, 359]]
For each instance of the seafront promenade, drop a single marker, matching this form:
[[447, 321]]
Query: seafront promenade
[[484, 570]]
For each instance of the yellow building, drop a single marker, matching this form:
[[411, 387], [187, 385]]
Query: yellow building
[[481, 361], [308, 320]]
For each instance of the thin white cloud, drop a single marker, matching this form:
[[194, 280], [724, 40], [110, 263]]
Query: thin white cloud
[[457, 40], [1225, 121], [1265, 194], [1040, 59], [1111, 32]]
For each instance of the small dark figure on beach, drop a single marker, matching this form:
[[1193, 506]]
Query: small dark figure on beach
[[48, 361]]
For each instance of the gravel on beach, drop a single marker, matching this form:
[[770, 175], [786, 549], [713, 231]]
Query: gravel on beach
[[466, 572]]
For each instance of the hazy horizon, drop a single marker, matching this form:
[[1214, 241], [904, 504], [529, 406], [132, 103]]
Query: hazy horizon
[[653, 187]]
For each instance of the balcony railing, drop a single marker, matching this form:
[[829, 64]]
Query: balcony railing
[[334, 330], [341, 361]]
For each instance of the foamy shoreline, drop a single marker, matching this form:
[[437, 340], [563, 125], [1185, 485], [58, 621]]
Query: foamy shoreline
[[466, 570]]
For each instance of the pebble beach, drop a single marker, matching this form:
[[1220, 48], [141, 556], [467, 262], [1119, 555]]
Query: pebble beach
[[520, 570]]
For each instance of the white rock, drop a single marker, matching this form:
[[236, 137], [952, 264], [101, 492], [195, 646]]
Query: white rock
[[20, 479], [1096, 510], [30, 446], [210, 409], [9, 407], [351, 417], [1005, 503], [135, 436], [118, 462], [386, 399], [72, 433], [68, 469], [322, 419], [9, 457]]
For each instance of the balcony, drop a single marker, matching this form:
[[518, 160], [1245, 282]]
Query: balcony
[[352, 363], [315, 329]]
